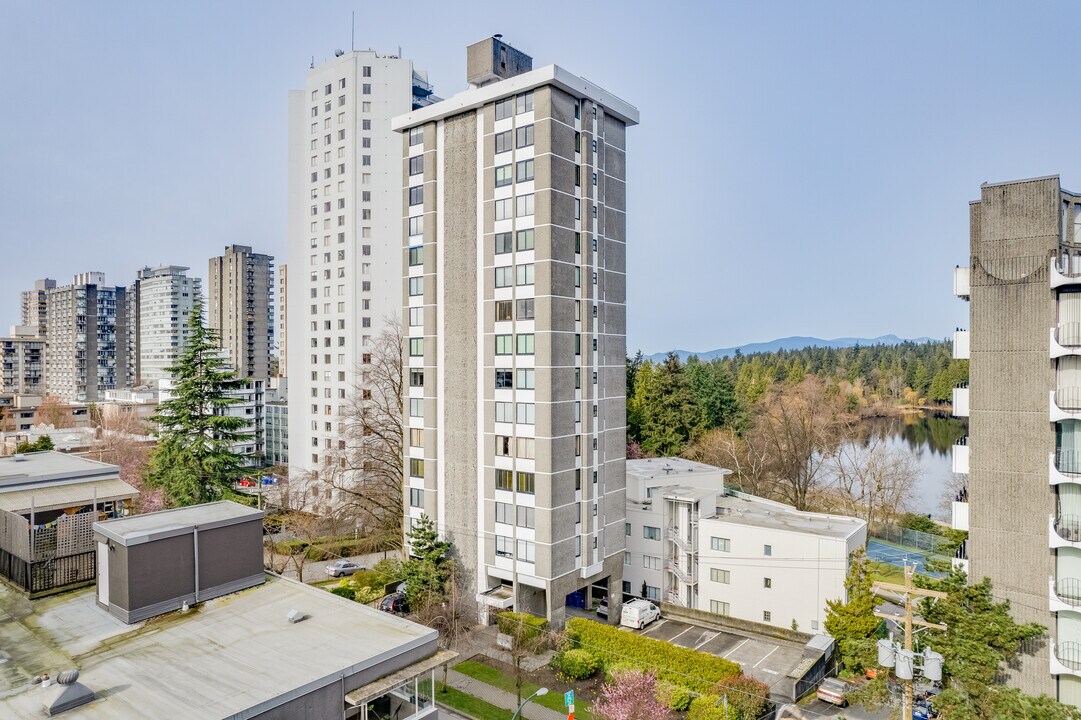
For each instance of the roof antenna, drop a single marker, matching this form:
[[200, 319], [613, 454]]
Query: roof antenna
[[312, 66], [353, 32]]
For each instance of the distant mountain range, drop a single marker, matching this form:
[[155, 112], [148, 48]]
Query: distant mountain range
[[790, 343]]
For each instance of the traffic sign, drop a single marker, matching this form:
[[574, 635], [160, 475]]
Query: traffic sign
[[568, 699]]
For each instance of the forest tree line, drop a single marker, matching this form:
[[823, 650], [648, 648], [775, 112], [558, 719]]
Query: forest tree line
[[788, 423]]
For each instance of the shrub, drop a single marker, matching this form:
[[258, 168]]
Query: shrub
[[532, 626], [345, 592], [747, 698], [698, 671], [674, 697], [576, 664]]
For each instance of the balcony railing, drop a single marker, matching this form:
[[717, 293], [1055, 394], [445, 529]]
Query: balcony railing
[[1068, 527], [960, 344], [1068, 398], [961, 282], [1068, 590], [1068, 462], [1069, 654], [1068, 334]]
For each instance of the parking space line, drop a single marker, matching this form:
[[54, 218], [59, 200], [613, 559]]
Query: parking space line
[[655, 626], [706, 640], [737, 647], [689, 628], [767, 655]]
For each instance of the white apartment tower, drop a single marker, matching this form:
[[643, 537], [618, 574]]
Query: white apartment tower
[[22, 361], [345, 209], [514, 305], [241, 308], [165, 298], [283, 328]]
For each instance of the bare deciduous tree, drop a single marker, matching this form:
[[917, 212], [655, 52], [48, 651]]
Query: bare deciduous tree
[[54, 411], [744, 455], [453, 615], [367, 468], [873, 481], [123, 440], [801, 427]]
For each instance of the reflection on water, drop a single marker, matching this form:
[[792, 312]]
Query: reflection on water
[[936, 432], [930, 438]]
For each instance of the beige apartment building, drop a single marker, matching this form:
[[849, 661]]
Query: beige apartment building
[[514, 309], [241, 308]]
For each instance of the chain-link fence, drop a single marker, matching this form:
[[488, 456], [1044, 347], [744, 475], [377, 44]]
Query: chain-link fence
[[927, 543]]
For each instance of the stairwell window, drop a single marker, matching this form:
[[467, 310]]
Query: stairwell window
[[719, 608], [651, 533], [720, 576], [651, 562], [767, 550]]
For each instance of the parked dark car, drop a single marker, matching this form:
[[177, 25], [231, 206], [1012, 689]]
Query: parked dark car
[[395, 603]]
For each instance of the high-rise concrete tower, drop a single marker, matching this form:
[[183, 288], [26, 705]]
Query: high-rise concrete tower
[[1023, 454], [514, 247], [345, 210], [241, 308], [87, 339], [33, 305]]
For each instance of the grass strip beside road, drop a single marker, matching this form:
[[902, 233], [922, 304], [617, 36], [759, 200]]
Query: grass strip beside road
[[467, 704], [496, 678]]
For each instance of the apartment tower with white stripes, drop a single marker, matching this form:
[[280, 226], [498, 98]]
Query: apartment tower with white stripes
[[515, 288], [345, 209]]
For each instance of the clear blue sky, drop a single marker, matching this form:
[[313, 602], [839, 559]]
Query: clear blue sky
[[801, 167]]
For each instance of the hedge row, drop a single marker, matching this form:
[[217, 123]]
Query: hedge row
[[509, 622], [323, 548], [695, 670]]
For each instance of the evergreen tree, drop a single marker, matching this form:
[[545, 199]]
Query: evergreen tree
[[194, 460], [853, 622], [429, 566]]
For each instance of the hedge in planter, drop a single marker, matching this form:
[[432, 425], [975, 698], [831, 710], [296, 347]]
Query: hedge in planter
[[695, 670]]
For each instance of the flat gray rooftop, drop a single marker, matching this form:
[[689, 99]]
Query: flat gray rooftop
[[681, 471], [757, 512], [50, 466], [227, 656], [141, 527]]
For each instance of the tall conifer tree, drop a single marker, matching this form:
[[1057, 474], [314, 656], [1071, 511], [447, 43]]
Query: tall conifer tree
[[194, 460]]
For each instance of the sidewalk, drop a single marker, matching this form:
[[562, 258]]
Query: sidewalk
[[499, 698]]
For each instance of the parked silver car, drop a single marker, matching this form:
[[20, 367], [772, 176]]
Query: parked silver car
[[339, 568]]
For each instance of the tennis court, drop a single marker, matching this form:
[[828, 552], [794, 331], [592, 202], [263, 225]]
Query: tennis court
[[898, 556]]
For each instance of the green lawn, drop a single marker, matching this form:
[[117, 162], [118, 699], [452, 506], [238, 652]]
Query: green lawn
[[884, 572], [496, 678], [467, 704]]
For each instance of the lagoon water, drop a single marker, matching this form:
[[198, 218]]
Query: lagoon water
[[930, 438]]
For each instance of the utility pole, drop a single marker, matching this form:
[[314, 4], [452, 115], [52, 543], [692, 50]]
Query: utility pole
[[910, 593]]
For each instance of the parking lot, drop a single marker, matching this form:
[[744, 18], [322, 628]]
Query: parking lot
[[765, 660]]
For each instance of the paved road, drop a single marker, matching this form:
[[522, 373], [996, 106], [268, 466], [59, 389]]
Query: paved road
[[314, 569]]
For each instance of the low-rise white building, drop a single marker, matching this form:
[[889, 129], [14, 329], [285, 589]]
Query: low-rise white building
[[692, 543]]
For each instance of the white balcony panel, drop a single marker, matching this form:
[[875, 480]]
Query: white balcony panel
[[1070, 664], [1071, 276], [960, 402], [1058, 537], [959, 516], [960, 345], [961, 282], [1070, 461], [1064, 595], [960, 459], [1065, 340], [1065, 404]]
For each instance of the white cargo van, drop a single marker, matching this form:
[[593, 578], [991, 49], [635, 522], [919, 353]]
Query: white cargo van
[[638, 613]]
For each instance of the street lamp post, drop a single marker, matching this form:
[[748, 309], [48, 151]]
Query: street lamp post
[[540, 691]]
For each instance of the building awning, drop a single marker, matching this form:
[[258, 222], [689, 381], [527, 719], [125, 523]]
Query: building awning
[[385, 684], [59, 497]]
